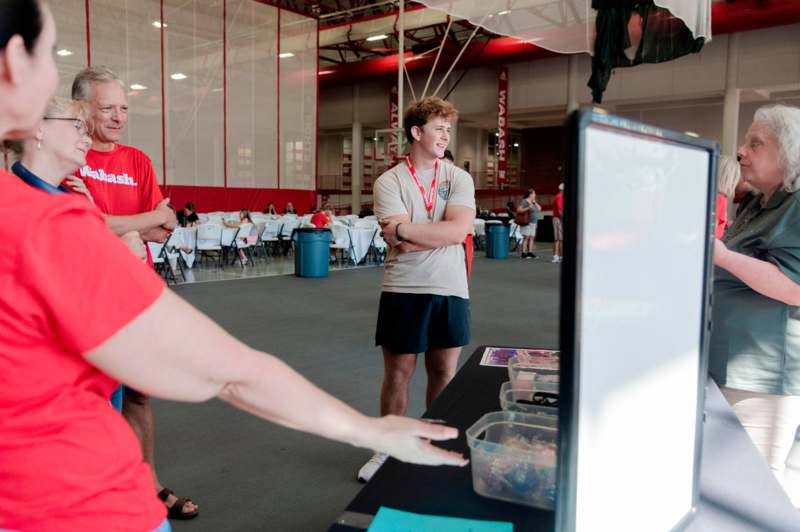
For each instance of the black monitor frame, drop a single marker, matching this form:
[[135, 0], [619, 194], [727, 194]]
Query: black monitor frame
[[577, 124]]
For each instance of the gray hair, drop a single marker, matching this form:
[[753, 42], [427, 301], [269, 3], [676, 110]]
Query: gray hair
[[82, 84], [728, 176], [784, 121]]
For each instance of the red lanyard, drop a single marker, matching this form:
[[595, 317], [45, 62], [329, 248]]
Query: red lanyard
[[429, 199]]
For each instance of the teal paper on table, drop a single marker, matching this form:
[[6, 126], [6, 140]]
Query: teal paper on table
[[391, 520]]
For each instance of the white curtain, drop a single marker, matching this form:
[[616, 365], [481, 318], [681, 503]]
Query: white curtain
[[564, 26]]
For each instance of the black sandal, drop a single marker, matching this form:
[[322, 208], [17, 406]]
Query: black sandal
[[176, 510]]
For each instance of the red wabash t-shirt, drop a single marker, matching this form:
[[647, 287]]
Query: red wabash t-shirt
[[68, 460], [122, 181]]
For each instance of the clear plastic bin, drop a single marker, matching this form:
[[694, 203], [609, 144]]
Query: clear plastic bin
[[524, 376], [513, 458], [519, 401]]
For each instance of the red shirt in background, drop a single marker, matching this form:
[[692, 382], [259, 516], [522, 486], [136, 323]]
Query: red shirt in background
[[68, 460], [558, 205], [122, 181], [320, 220], [722, 215]]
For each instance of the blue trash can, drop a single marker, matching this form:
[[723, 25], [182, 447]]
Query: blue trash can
[[311, 252], [497, 235]]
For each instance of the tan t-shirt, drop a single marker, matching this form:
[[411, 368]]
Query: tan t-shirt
[[441, 271]]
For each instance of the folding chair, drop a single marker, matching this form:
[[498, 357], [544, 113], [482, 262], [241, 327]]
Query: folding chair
[[378, 247], [271, 236], [160, 255], [289, 225], [340, 241], [209, 238]]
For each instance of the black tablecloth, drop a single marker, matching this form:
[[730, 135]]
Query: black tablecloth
[[738, 492]]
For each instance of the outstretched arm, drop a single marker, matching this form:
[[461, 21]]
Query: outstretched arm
[[209, 363]]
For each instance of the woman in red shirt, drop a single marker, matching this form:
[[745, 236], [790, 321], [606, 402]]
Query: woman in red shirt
[[727, 179], [68, 327]]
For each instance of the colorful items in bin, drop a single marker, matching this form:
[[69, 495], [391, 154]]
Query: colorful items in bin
[[499, 356], [529, 376], [523, 401], [516, 459]]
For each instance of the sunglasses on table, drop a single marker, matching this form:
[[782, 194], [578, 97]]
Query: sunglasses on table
[[542, 399], [79, 124]]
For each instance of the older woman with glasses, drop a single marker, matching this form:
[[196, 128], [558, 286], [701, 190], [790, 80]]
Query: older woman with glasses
[[755, 340], [57, 148], [70, 332], [49, 158]]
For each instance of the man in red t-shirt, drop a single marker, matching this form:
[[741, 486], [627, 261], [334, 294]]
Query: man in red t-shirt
[[558, 227], [124, 186]]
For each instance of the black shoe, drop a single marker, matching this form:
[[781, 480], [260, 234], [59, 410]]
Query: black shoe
[[533, 256], [523, 255]]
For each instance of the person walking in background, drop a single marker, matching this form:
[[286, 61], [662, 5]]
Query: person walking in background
[[527, 218], [558, 225]]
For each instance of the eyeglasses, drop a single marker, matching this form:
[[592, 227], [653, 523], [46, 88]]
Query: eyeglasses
[[543, 399], [79, 124]]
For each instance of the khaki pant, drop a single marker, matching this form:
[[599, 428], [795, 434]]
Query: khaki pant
[[771, 421]]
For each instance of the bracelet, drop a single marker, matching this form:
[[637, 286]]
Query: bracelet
[[397, 233]]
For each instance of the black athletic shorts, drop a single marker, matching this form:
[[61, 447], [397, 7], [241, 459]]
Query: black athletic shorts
[[414, 323]]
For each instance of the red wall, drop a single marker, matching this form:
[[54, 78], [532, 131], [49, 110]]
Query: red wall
[[208, 199]]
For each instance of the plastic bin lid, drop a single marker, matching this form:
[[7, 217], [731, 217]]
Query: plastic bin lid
[[312, 230]]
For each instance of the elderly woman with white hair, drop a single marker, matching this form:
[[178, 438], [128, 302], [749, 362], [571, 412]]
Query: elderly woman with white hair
[[755, 340]]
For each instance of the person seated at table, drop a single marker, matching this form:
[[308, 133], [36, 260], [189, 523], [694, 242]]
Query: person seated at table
[[244, 218], [511, 210], [323, 217], [271, 209], [289, 209], [754, 351], [187, 217], [70, 332]]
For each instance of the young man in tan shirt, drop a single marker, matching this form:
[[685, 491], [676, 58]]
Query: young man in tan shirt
[[426, 206]]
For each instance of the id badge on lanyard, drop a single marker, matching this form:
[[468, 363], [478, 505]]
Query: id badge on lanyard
[[430, 198]]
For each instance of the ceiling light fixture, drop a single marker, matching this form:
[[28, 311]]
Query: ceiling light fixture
[[63, 52], [159, 24], [284, 55], [177, 76], [138, 87], [504, 12], [377, 37]]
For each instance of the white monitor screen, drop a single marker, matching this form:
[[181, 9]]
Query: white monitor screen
[[640, 266]]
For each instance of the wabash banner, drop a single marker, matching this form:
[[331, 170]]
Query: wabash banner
[[502, 125], [394, 122]]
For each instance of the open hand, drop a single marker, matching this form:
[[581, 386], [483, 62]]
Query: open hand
[[409, 440]]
